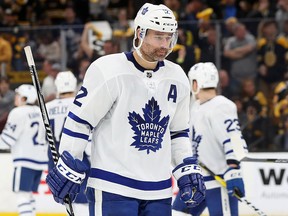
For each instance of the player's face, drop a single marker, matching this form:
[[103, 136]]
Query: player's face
[[156, 45]]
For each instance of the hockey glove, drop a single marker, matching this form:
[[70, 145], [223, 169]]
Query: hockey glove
[[66, 177], [190, 182], [234, 181]]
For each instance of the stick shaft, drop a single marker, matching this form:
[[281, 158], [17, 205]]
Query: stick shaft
[[42, 105], [223, 184]]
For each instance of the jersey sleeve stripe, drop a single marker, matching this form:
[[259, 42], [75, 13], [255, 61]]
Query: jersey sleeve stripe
[[228, 152], [9, 136], [226, 141], [75, 134], [185, 130], [30, 160], [5, 141], [129, 182], [180, 134], [79, 120]]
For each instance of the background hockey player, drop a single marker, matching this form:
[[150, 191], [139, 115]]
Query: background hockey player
[[137, 106], [66, 84], [29, 151], [213, 126]]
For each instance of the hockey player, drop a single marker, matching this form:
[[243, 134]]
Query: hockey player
[[66, 84], [137, 106], [215, 123], [29, 151]]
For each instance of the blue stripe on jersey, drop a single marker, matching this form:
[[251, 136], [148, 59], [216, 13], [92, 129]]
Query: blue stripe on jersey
[[23, 204], [29, 160], [132, 183], [75, 134], [79, 120], [228, 152], [226, 141], [5, 141], [9, 136], [178, 134]]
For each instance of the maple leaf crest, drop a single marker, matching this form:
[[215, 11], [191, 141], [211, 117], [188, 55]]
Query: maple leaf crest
[[144, 10], [150, 129]]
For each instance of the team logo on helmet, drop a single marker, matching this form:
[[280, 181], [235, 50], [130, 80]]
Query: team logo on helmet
[[145, 10], [166, 11], [150, 129]]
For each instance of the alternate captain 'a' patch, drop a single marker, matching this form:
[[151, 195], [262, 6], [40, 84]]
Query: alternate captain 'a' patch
[[148, 130]]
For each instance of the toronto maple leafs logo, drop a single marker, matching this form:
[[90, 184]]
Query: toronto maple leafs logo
[[144, 10], [166, 11], [150, 129], [196, 139]]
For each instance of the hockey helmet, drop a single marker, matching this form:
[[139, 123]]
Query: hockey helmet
[[156, 17], [65, 82], [27, 91], [206, 75]]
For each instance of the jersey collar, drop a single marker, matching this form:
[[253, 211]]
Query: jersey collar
[[131, 58]]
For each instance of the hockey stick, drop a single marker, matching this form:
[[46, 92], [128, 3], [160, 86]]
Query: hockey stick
[[236, 193], [241, 155], [50, 136]]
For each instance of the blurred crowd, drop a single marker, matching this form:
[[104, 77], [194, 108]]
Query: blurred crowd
[[246, 39]]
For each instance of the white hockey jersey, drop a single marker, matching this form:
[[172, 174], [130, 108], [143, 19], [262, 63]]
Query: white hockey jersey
[[140, 122], [212, 125], [28, 149], [57, 111]]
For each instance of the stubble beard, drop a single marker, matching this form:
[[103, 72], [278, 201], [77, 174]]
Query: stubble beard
[[155, 54]]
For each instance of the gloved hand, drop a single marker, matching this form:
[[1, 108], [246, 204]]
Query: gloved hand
[[190, 182], [234, 181], [66, 177]]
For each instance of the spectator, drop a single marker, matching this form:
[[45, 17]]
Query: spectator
[[224, 84], [98, 10], [282, 13], [280, 99], [5, 56], [49, 47], [48, 87], [184, 53], [13, 33], [272, 64], [280, 105], [6, 100], [83, 66], [256, 126], [240, 49], [229, 9], [263, 10], [122, 30], [207, 46], [189, 18], [73, 30], [281, 140], [229, 26]]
